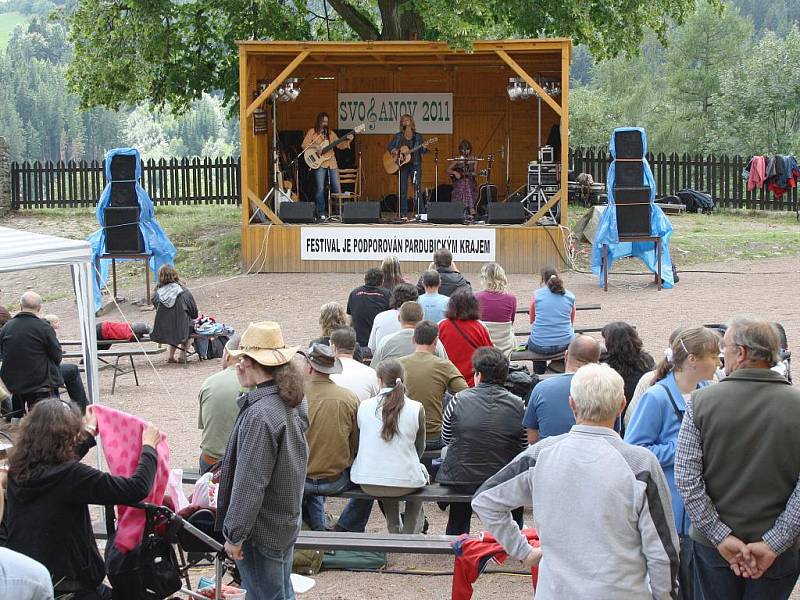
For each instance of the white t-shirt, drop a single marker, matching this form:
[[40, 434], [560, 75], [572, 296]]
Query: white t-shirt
[[385, 323], [359, 379]]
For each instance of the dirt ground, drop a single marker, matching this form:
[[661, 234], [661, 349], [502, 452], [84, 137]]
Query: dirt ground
[[167, 393]]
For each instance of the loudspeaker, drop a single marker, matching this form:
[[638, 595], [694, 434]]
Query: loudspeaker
[[632, 195], [508, 213], [122, 230], [296, 212], [629, 173], [633, 219], [445, 212], [361, 212], [123, 193], [123, 167], [628, 144]]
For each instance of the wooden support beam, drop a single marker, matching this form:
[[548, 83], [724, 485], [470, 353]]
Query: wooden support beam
[[245, 134], [541, 212], [529, 80], [564, 129], [264, 208], [262, 97]]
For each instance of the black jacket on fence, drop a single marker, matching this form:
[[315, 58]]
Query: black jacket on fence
[[485, 434], [47, 516], [31, 354]]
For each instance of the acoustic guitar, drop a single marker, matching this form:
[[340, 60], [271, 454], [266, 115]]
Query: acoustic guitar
[[393, 163], [314, 155]]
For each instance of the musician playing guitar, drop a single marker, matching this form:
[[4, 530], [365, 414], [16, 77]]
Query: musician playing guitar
[[463, 174], [408, 138], [319, 135]]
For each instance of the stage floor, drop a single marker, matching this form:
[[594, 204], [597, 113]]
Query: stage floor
[[352, 248]]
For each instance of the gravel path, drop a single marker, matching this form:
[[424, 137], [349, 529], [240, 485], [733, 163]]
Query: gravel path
[[167, 394]]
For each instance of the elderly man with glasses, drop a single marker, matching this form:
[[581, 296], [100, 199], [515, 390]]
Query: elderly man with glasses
[[736, 467]]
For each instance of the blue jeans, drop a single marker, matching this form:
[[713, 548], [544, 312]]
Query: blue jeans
[[407, 172], [314, 492], [540, 366], [355, 515], [714, 580], [265, 573], [320, 175]]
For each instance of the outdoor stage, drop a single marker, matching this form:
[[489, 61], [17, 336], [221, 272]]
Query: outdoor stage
[[453, 95]]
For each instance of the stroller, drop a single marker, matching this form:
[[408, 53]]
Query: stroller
[[152, 571]]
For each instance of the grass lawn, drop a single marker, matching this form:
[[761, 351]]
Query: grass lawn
[[8, 21], [725, 235], [208, 238]]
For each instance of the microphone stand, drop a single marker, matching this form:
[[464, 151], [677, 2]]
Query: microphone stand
[[436, 173]]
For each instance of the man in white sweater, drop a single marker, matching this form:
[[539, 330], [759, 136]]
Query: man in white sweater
[[601, 507]]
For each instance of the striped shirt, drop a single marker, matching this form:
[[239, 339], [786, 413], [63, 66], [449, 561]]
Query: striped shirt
[[602, 511]]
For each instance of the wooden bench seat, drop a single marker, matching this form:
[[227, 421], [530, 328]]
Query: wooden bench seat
[[527, 310], [433, 492], [527, 333], [376, 542], [105, 357]]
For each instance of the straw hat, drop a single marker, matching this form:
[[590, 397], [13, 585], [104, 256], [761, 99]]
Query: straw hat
[[263, 342]]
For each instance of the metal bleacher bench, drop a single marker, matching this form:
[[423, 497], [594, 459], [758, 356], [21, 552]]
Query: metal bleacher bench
[[376, 542]]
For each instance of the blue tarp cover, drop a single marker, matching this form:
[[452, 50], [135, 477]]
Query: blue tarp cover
[[607, 228], [156, 242]]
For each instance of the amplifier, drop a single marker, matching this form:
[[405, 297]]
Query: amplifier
[[123, 193], [123, 167], [508, 213], [296, 212], [445, 212], [361, 212], [122, 230], [628, 144], [632, 195], [629, 173], [546, 154], [633, 220]]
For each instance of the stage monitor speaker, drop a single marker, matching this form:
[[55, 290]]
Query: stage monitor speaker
[[123, 167], [629, 173], [361, 212], [123, 193], [122, 230], [446, 212], [633, 220], [632, 195], [628, 144], [296, 212], [505, 213]]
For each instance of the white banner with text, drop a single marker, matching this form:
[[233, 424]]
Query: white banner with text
[[432, 113], [473, 244]]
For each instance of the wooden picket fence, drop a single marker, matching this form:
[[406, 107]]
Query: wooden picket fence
[[720, 176], [81, 183], [218, 181]]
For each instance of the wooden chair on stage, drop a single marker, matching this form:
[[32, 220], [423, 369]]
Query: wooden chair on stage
[[351, 177]]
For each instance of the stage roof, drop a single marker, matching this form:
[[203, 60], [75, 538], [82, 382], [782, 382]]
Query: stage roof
[[545, 52]]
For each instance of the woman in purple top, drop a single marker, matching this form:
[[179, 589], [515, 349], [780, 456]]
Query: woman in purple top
[[496, 304]]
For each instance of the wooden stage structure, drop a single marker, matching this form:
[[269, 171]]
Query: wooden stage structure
[[482, 112]]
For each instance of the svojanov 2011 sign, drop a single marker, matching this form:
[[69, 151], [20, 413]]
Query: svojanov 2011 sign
[[432, 113], [475, 244]]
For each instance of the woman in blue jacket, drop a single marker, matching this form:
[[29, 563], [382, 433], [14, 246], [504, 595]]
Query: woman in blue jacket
[[690, 363]]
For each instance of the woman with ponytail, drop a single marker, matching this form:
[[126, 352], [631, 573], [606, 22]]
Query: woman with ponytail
[[391, 440], [688, 364], [552, 315]]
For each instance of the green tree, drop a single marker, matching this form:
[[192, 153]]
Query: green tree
[[699, 52], [758, 104], [169, 52]]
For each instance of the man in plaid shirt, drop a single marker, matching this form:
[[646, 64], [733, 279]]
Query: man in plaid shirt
[[264, 467], [736, 467]]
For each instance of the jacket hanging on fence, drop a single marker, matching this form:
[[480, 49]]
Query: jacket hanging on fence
[[156, 242], [781, 173], [473, 553]]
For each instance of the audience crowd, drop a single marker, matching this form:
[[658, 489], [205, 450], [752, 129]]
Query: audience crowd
[[669, 480]]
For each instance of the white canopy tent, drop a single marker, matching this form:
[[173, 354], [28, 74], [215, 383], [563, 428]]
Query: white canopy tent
[[21, 250]]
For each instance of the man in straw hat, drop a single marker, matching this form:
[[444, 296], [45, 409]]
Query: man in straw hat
[[264, 466], [332, 433]]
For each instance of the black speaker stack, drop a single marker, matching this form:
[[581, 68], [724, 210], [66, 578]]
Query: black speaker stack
[[121, 215], [631, 193]]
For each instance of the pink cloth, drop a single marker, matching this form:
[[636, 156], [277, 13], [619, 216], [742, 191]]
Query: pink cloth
[[121, 435], [758, 173]]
